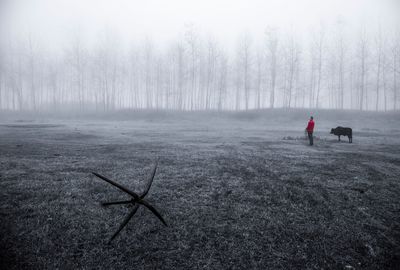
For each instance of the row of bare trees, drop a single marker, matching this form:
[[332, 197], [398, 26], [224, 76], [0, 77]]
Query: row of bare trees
[[326, 69]]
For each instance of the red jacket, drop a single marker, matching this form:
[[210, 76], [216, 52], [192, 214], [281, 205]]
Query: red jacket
[[310, 126]]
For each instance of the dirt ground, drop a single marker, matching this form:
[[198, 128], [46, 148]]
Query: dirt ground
[[238, 191]]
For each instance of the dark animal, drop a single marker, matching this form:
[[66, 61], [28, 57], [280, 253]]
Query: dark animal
[[343, 131]]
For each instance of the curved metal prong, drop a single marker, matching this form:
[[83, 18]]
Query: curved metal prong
[[116, 202], [152, 209], [126, 220], [150, 181], [124, 189]]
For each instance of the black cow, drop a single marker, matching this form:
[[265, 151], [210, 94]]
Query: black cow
[[343, 131]]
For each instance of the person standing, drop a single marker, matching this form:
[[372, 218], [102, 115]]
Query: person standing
[[310, 130]]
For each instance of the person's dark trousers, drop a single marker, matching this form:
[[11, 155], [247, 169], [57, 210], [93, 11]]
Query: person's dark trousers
[[310, 137]]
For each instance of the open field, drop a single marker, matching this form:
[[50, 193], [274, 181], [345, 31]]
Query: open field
[[238, 191]]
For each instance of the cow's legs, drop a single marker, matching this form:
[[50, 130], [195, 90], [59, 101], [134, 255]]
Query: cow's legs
[[339, 138]]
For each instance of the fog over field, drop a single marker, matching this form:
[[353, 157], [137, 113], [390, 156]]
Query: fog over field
[[199, 55], [258, 134]]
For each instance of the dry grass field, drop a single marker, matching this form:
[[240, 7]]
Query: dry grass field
[[238, 191]]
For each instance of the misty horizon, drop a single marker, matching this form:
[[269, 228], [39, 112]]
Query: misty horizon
[[199, 56]]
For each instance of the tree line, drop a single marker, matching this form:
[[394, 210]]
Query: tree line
[[329, 68]]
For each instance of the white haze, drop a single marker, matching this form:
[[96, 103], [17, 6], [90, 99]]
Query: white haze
[[199, 55], [54, 21]]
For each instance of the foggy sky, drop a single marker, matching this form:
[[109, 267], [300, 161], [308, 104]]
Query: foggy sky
[[53, 22]]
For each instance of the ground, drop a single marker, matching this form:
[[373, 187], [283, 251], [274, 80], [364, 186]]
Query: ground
[[238, 191]]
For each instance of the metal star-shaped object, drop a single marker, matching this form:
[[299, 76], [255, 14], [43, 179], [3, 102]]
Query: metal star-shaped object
[[136, 200]]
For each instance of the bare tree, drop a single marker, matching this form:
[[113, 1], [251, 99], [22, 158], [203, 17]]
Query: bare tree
[[2, 70], [222, 82], [341, 48], [259, 78], [53, 82], [272, 44], [192, 41], [32, 72], [312, 78], [180, 75], [245, 62], [363, 50], [15, 76], [148, 69], [396, 56], [212, 56], [159, 94], [238, 83], [291, 57], [105, 68], [78, 62], [396, 64], [378, 46], [319, 47], [384, 79], [134, 78]]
